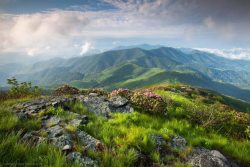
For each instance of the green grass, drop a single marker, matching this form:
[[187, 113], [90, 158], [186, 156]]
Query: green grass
[[131, 131], [14, 152], [126, 134]]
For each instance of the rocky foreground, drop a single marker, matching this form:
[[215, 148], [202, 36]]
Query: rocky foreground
[[54, 129]]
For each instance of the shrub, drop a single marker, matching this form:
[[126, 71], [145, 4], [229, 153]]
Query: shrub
[[122, 92], [142, 100], [22, 89], [148, 101], [66, 90]]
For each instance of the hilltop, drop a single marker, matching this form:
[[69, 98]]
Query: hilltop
[[161, 125]]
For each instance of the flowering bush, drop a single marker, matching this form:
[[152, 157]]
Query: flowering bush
[[122, 92], [148, 101], [143, 100]]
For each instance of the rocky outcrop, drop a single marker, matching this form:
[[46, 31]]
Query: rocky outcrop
[[102, 105], [55, 128], [202, 157], [64, 133], [33, 107]]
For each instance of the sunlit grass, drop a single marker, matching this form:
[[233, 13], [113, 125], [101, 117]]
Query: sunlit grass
[[124, 136]]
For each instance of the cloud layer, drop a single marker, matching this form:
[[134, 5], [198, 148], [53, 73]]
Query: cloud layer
[[189, 23]]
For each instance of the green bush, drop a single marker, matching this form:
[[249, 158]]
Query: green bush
[[215, 116], [148, 101], [23, 89]]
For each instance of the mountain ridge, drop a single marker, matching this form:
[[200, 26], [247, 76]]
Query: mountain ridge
[[217, 70]]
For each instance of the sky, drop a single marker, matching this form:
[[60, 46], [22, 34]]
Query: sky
[[68, 28]]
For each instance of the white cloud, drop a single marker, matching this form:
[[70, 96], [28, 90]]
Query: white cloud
[[85, 48], [63, 31], [235, 53]]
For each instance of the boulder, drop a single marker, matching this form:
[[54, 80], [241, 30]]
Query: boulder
[[117, 101], [63, 142], [98, 105], [59, 137], [202, 157], [102, 106], [55, 131]]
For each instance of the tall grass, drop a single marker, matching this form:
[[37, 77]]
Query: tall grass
[[14, 152]]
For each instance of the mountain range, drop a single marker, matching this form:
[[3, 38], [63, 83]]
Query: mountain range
[[138, 66]]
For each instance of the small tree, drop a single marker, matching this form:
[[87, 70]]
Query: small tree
[[22, 89]]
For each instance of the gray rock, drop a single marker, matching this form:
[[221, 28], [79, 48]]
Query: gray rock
[[36, 105], [52, 121], [98, 105], [94, 102], [202, 157], [22, 116], [101, 106], [55, 131], [33, 137], [63, 141], [117, 101], [124, 109], [88, 141], [84, 161], [77, 122], [178, 142]]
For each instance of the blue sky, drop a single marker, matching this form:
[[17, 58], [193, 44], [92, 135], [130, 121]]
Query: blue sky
[[69, 28], [34, 6]]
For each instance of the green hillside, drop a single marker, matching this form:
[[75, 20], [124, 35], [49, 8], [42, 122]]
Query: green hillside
[[130, 75], [137, 67], [171, 125]]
